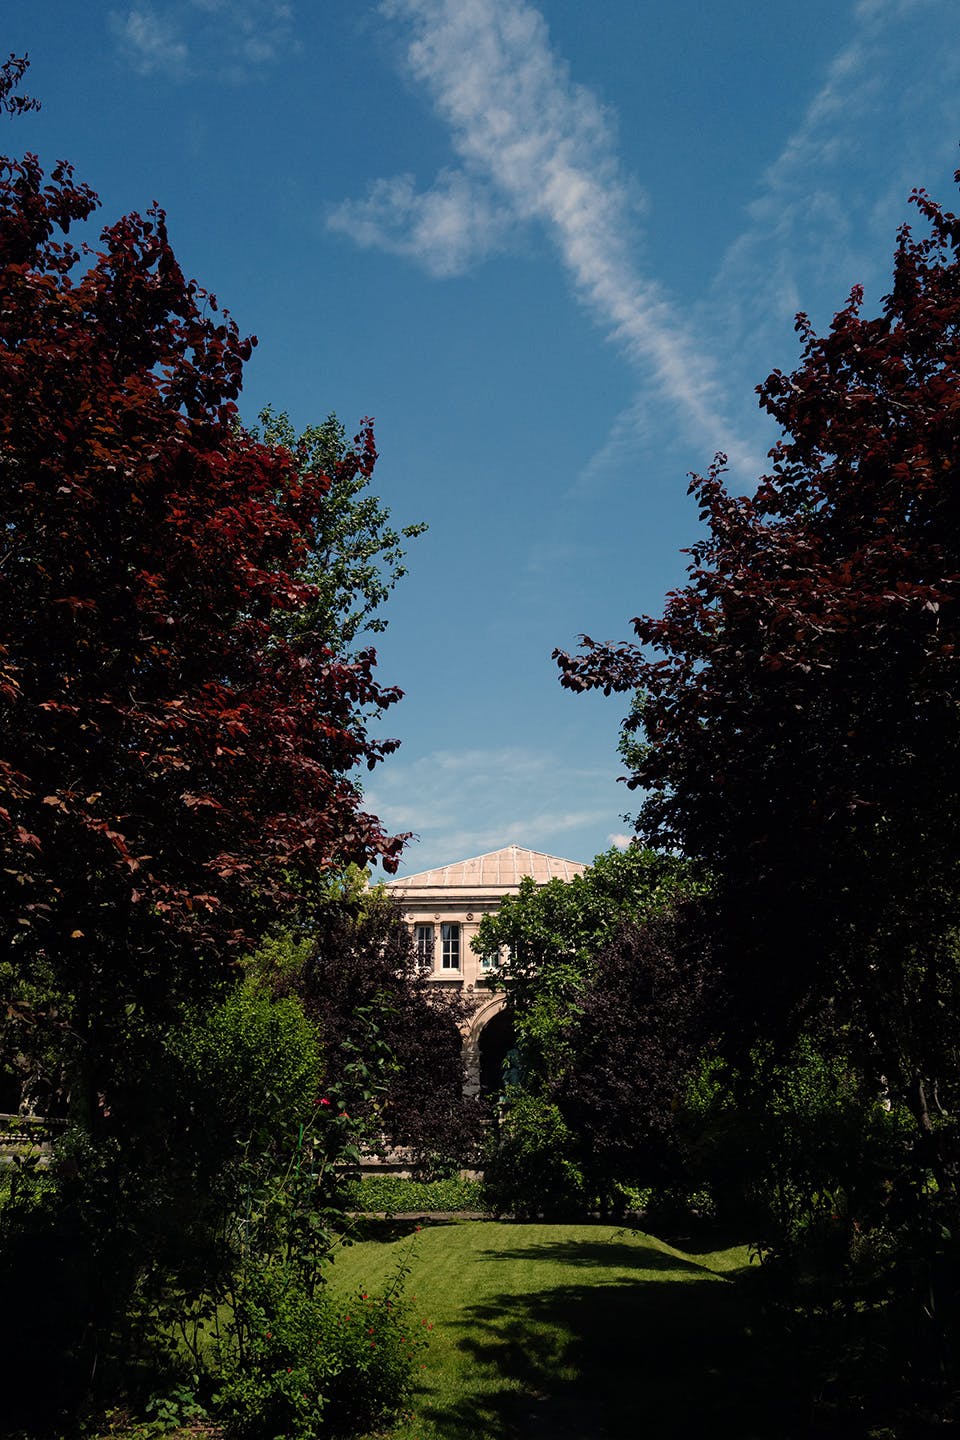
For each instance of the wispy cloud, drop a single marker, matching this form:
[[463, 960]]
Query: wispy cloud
[[445, 228], [152, 43], [619, 453], [533, 148], [182, 38], [465, 802], [820, 221], [818, 225]]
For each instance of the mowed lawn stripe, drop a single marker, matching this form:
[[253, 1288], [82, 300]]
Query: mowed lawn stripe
[[570, 1332]]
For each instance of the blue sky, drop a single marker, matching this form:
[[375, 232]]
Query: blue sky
[[551, 248]]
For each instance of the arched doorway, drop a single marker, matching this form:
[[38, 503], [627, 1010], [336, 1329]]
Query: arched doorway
[[487, 1038], [496, 1040]]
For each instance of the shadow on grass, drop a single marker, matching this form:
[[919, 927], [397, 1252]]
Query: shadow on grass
[[644, 1357], [608, 1254], [387, 1228]]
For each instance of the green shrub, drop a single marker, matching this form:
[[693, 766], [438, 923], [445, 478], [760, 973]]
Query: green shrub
[[528, 1170], [249, 1070], [301, 1366], [800, 1148], [632, 1199], [396, 1195]]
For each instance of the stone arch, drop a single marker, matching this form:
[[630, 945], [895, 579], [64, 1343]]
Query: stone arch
[[489, 1034]]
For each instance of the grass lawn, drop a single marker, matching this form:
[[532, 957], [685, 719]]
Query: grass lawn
[[572, 1332]]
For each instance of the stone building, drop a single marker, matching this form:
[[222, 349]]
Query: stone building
[[444, 907]]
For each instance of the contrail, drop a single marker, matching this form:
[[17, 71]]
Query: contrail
[[534, 147]]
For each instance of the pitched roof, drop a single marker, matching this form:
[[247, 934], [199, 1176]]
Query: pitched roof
[[497, 869]]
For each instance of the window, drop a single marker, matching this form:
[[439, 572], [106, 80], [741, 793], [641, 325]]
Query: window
[[449, 946], [423, 946], [490, 962]]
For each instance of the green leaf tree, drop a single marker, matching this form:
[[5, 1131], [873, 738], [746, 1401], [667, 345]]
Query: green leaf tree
[[356, 556], [544, 942]]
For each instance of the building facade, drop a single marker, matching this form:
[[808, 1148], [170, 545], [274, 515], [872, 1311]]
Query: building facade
[[444, 907]]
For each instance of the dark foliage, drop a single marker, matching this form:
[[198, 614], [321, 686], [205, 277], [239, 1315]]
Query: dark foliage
[[636, 1038], [800, 693], [173, 764], [166, 762], [529, 1170], [359, 959], [546, 939], [607, 988], [795, 730], [12, 72]]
